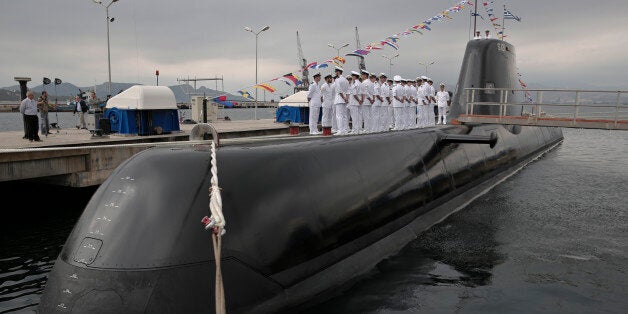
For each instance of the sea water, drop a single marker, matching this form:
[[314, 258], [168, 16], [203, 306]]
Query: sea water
[[553, 238]]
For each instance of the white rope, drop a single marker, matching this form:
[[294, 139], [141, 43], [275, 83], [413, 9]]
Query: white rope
[[217, 224], [215, 201]]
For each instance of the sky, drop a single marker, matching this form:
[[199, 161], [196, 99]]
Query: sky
[[558, 43]]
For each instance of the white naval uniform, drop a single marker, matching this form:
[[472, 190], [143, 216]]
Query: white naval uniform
[[431, 117], [413, 107], [376, 110], [441, 101], [328, 99], [367, 106], [397, 92], [406, 106], [355, 91], [384, 92], [420, 96], [341, 86], [314, 96], [390, 117], [334, 121]]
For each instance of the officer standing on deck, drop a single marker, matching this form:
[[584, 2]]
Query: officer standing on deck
[[442, 100], [341, 87], [327, 96], [397, 103], [314, 100]]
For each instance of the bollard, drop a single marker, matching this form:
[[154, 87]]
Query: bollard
[[326, 130], [294, 129]]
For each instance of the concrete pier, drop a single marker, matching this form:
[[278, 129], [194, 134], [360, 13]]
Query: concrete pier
[[76, 158]]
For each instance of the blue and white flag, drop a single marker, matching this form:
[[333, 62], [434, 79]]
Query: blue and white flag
[[509, 16]]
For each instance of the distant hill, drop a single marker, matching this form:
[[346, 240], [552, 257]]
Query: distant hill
[[66, 91]]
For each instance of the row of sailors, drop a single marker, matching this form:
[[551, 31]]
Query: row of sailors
[[374, 104]]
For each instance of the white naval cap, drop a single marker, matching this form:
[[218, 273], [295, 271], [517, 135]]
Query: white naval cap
[[423, 77], [355, 73], [397, 78], [338, 68], [316, 74], [382, 75], [365, 72]]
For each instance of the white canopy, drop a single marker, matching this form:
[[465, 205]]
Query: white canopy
[[299, 99], [142, 97]]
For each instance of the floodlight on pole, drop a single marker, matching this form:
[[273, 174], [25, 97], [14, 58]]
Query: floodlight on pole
[[390, 64], [338, 49], [426, 65], [108, 44], [248, 29]]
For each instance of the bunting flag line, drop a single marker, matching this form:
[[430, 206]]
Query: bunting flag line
[[246, 94], [477, 14], [528, 95], [391, 41], [265, 87], [291, 77]]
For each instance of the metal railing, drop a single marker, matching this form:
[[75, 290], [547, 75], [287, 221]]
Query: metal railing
[[577, 106]]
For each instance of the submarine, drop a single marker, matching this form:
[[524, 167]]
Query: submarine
[[305, 216]]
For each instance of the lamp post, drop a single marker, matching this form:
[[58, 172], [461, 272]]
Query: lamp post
[[338, 49], [390, 62], [248, 29], [426, 65], [108, 46]]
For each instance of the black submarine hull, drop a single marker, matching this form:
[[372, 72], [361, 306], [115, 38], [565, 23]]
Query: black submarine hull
[[304, 217]]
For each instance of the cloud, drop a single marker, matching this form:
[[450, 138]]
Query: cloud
[[67, 39]]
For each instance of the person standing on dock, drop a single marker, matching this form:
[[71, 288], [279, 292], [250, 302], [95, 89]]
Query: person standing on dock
[[81, 109], [94, 102], [42, 105], [327, 94], [28, 108], [314, 100]]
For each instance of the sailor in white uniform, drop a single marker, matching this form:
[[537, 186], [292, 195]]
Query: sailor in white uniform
[[413, 105], [397, 103], [314, 99], [367, 104], [391, 114], [341, 87], [423, 102], [334, 121], [377, 104], [431, 94], [406, 103], [328, 98], [442, 101], [384, 97], [355, 101]]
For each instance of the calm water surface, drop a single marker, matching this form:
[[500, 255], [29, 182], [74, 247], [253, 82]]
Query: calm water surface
[[553, 238]]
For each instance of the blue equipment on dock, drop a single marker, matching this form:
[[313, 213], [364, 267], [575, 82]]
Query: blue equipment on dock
[[143, 110]]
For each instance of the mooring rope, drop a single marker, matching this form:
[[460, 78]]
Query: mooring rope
[[217, 224]]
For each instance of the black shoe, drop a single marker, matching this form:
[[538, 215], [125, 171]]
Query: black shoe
[[24, 137], [38, 140]]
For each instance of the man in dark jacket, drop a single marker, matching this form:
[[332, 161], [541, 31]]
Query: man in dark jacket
[[81, 109]]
